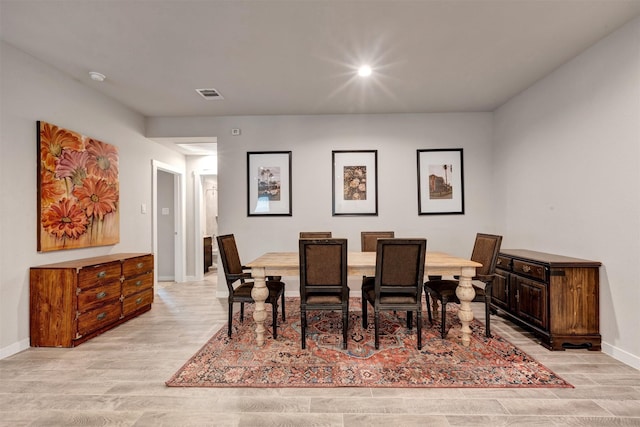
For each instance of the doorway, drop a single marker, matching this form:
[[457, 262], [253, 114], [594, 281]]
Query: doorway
[[168, 222]]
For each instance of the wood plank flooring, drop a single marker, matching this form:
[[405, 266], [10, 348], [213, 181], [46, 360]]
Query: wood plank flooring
[[117, 379]]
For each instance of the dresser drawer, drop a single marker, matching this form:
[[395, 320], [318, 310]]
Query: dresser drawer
[[503, 263], [91, 298], [137, 284], [98, 318], [134, 266], [98, 274], [530, 269], [137, 301]]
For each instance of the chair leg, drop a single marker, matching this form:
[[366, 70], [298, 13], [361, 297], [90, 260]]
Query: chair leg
[[428, 307], [376, 324], [283, 315], [364, 312], [409, 320], [274, 315], [230, 318], [419, 328], [443, 309], [303, 327], [241, 312], [345, 327], [487, 310]]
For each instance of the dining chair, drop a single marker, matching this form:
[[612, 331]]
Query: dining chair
[[485, 251], [234, 272], [315, 234], [323, 281], [369, 239], [397, 284]]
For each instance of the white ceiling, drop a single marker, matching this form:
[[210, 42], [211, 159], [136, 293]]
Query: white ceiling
[[299, 57]]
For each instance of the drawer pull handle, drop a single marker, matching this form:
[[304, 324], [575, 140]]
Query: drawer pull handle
[[102, 275], [140, 264], [526, 268], [101, 295], [139, 283], [101, 316], [139, 301]]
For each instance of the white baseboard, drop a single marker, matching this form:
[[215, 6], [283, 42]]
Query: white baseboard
[[621, 355], [14, 348]]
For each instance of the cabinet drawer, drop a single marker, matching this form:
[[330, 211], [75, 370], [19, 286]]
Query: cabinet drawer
[[96, 319], [134, 266], [137, 284], [98, 274], [91, 298], [137, 301], [530, 269], [503, 263]]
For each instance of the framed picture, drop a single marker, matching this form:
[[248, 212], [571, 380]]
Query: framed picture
[[78, 190], [440, 182], [269, 183], [355, 182]]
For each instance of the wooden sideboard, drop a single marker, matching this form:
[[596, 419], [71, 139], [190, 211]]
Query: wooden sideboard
[[556, 297], [73, 301], [207, 250]]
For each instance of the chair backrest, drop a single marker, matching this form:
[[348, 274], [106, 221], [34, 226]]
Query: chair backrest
[[323, 266], [485, 251], [230, 257], [369, 239], [400, 265], [315, 234]]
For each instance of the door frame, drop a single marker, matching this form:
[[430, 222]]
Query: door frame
[[179, 224]]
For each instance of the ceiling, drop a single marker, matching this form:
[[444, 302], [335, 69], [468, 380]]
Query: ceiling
[[269, 57]]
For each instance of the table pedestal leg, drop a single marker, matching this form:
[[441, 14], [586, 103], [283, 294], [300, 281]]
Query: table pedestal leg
[[466, 294], [259, 295]]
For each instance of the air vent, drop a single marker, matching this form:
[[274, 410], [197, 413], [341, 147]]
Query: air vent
[[209, 94]]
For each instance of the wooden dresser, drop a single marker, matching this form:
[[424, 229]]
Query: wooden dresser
[[556, 297], [73, 301]]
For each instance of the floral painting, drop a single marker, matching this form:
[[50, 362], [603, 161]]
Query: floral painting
[[355, 183], [78, 190]]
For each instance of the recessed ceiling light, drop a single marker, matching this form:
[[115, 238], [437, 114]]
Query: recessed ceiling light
[[98, 77], [364, 71]]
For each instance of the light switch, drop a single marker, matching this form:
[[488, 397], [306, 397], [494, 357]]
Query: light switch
[[165, 211], [143, 208]]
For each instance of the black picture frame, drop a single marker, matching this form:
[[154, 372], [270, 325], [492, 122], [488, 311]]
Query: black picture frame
[[269, 183], [355, 182], [440, 182]]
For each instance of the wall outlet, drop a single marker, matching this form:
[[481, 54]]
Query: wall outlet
[[235, 132]]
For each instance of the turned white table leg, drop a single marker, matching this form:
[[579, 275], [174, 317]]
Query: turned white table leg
[[259, 295], [466, 294]]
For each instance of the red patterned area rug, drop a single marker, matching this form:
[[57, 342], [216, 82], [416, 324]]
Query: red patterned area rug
[[238, 362]]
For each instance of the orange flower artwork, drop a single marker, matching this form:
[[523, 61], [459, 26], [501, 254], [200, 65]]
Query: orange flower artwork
[[78, 190]]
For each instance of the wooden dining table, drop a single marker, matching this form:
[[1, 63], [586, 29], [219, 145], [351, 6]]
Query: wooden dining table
[[359, 264]]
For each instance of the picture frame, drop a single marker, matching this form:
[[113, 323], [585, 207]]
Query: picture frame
[[440, 182], [355, 182], [78, 193], [269, 183]]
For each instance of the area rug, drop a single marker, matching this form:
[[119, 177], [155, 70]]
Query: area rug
[[239, 362]]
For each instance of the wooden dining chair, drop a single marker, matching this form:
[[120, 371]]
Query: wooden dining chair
[[323, 281], [369, 239], [235, 272], [485, 251], [397, 284], [315, 234]]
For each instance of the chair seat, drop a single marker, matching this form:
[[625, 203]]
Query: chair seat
[[386, 298], [324, 298], [447, 289]]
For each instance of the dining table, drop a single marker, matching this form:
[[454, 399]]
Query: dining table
[[361, 264]]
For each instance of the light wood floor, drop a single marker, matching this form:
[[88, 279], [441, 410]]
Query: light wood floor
[[117, 379]]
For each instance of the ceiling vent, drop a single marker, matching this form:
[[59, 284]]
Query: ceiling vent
[[209, 94]]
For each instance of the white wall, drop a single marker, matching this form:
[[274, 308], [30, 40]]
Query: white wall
[[567, 173], [311, 140], [30, 91]]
